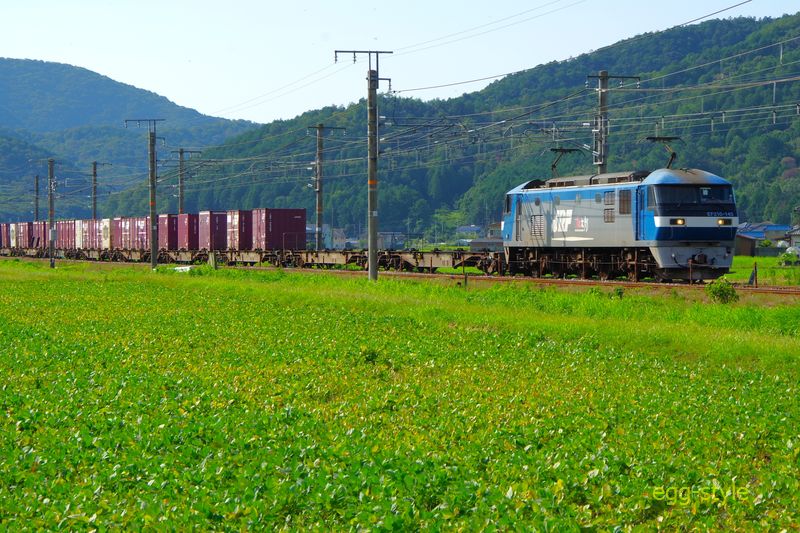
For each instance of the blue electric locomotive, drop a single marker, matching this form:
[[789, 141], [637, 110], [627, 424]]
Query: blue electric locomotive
[[669, 224]]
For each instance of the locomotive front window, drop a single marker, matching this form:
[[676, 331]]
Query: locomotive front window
[[693, 195], [694, 198]]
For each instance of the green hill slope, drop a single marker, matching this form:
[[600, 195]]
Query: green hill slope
[[447, 162], [77, 116], [728, 88]]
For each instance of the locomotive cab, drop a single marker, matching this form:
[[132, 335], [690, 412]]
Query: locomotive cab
[[688, 218]]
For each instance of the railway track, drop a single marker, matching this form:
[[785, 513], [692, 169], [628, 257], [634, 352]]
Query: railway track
[[472, 278]]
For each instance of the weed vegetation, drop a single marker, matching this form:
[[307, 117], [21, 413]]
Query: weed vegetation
[[133, 399]]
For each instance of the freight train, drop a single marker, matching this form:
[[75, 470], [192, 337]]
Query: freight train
[[260, 236], [185, 237], [669, 224]]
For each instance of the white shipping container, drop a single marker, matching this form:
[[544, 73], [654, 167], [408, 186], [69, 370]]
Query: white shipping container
[[106, 233], [13, 234], [79, 234]]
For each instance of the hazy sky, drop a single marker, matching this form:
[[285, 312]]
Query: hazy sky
[[262, 60]]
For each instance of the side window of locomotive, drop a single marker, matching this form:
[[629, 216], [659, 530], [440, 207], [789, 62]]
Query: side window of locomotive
[[651, 196], [608, 198], [625, 202], [508, 204]]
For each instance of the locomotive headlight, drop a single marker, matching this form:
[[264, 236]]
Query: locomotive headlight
[[723, 222], [677, 221]]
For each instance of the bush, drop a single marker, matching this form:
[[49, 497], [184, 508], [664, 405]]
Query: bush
[[722, 291], [788, 259]]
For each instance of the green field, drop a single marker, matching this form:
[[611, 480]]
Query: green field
[[227, 400], [770, 271]]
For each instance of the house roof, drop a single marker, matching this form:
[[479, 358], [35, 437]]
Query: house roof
[[751, 235], [763, 226], [471, 228]]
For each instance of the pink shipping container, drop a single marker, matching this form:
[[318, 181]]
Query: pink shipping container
[[70, 236], [65, 234], [41, 236], [141, 233], [116, 233], [240, 230], [188, 231], [212, 229], [126, 240], [24, 234], [275, 229], [92, 235], [167, 232]]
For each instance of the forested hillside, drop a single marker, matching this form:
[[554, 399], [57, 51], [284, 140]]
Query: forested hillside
[[728, 88]]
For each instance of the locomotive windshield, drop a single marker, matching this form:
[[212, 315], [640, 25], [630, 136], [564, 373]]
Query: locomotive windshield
[[692, 199]]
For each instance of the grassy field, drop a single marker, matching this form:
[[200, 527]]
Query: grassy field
[[770, 271], [229, 399]]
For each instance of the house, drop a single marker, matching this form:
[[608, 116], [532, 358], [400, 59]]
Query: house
[[493, 242], [470, 231], [391, 240], [794, 236], [749, 236]]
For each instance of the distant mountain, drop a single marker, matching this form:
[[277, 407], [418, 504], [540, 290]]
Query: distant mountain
[[76, 116], [39, 96]]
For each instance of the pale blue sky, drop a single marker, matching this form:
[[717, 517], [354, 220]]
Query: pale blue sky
[[262, 60]]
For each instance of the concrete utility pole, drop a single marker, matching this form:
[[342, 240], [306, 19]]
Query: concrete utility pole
[[182, 173], [372, 149], [94, 190], [153, 215], [51, 210], [94, 187], [152, 167], [601, 124], [318, 179], [600, 129], [36, 198]]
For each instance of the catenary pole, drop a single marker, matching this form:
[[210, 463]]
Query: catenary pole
[[36, 198], [600, 128], [373, 78], [182, 174], [51, 211], [94, 187], [318, 180], [153, 213], [152, 184]]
